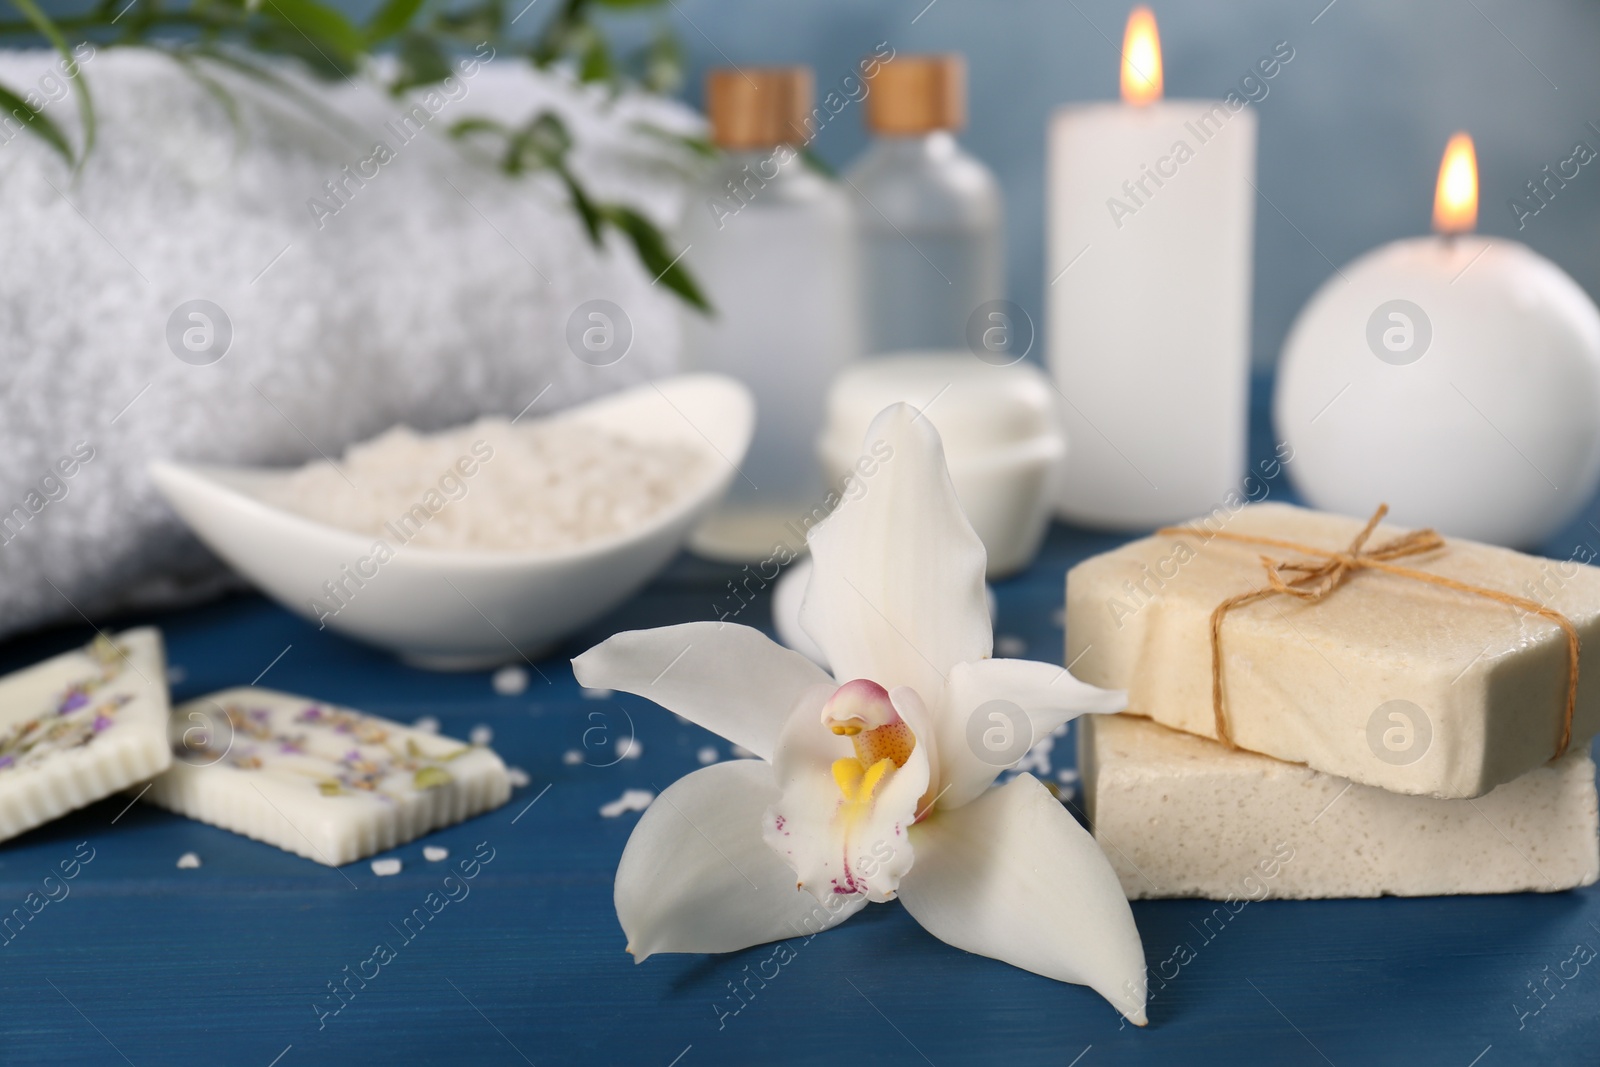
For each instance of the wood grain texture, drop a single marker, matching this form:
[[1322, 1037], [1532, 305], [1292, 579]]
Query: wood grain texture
[[147, 964]]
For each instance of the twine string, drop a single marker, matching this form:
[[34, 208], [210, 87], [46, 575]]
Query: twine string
[[1314, 578]]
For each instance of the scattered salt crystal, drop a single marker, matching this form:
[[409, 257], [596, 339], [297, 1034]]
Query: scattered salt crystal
[[188, 861], [384, 868], [629, 748], [1037, 758], [1067, 792], [510, 680], [1008, 646], [744, 753], [1058, 618], [427, 724], [176, 674], [597, 694], [517, 777], [571, 757], [706, 755], [1067, 774], [539, 486], [434, 854], [630, 800], [481, 734]]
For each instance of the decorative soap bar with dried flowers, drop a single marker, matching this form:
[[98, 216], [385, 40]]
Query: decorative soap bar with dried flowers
[[81, 726], [327, 783]]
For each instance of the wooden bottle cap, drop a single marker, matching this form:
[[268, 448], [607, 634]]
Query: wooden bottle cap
[[918, 94], [758, 107]]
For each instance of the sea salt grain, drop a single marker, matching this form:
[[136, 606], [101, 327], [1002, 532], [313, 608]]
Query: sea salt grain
[[188, 861], [630, 800], [629, 748], [427, 724], [509, 681], [572, 757], [435, 854], [1009, 646], [385, 868], [542, 486], [706, 755], [481, 734], [517, 777]]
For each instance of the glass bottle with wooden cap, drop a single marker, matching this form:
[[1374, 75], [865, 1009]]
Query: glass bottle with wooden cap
[[773, 242], [932, 218]]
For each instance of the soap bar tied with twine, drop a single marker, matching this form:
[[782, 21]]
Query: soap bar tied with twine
[[1315, 578]]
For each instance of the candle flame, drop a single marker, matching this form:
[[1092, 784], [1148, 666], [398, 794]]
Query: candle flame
[[1141, 58], [1455, 202]]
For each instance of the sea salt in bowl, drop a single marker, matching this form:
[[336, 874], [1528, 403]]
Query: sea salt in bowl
[[467, 607]]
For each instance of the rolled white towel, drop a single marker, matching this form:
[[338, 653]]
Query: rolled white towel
[[438, 290]]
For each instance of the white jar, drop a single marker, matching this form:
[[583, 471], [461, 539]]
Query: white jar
[[1002, 433]]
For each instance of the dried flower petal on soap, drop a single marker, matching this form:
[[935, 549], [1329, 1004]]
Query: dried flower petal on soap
[[430, 777]]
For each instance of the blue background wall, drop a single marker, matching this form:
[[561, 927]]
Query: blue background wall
[[1351, 130]]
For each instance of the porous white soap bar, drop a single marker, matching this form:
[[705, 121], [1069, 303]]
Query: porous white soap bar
[[1388, 680], [324, 782], [81, 726], [1180, 816]]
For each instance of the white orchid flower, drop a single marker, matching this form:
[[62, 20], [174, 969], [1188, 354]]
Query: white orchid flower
[[871, 786]]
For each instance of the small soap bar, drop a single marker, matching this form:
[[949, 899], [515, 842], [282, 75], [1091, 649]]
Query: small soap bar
[[81, 726], [1180, 816], [1388, 680], [327, 783]]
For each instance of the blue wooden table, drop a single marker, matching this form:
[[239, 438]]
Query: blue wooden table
[[144, 963]]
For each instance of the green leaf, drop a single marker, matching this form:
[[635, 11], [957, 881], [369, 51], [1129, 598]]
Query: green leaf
[[218, 92], [80, 89], [817, 163], [472, 25], [590, 212], [700, 146], [422, 62], [248, 66], [391, 17], [666, 268], [431, 778], [478, 124], [660, 63], [595, 63], [325, 28]]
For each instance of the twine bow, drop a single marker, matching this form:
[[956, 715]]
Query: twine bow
[[1314, 578]]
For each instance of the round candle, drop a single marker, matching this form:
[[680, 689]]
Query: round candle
[[1455, 377], [1150, 216]]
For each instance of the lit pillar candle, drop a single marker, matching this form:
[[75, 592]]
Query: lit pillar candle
[[1151, 208], [1456, 377]]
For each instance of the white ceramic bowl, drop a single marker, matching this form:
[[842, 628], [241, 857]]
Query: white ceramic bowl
[[460, 609]]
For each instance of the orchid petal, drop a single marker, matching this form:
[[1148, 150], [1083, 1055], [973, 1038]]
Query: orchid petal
[[837, 847], [897, 592], [732, 680], [1047, 694], [696, 876], [1014, 877]]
